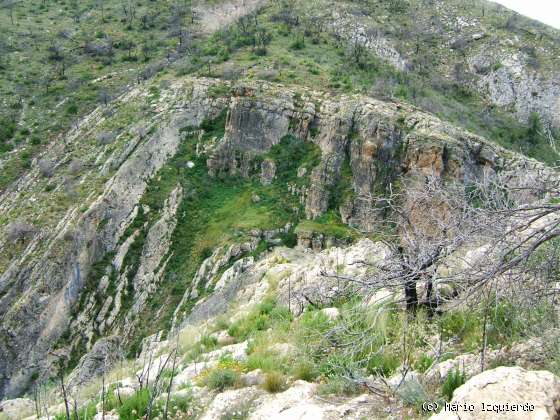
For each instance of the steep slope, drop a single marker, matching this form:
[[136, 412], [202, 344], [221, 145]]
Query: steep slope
[[135, 216], [509, 59]]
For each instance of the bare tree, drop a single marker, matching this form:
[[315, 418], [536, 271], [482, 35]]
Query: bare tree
[[451, 244], [432, 222], [129, 11], [101, 5], [104, 97]]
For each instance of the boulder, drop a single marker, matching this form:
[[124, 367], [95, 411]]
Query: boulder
[[331, 313], [234, 403], [17, 408], [100, 359], [506, 393]]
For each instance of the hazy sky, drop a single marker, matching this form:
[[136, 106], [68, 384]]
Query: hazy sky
[[547, 11]]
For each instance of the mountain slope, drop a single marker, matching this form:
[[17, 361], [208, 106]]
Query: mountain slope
[[141, 181], [137, 217]]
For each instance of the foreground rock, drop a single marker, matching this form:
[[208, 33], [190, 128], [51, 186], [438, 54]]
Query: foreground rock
[[507, 393], [17, 408]]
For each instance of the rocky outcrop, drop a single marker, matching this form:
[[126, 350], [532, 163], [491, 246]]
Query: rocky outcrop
[[17, 408], [57, 278], [102, 357], [515, 69], [506, 393], [511, 84], [48, 278], [299, 277]]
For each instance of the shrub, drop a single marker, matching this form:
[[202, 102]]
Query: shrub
[[412, 393], [7, 129], [274, 382], [423, 363], [221, 379], [338, 386], [462, 325], [453, 381], [298, 44], [72, 109], [305, 370], [75, 167], [382, 363], [209, 342], [105, 137], [46, 168]]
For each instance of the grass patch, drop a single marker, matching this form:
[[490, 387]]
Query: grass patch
[[452, 381], [330, 225], [274, 382], [221, 378]]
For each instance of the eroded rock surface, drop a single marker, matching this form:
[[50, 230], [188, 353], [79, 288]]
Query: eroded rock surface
[[508, 385]]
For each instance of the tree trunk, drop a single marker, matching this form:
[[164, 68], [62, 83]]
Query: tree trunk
[[411, 296]]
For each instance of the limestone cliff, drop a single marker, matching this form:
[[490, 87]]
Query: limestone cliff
[[113, 241]]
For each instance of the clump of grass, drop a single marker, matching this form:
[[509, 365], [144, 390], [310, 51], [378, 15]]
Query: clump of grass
[[135, 406], [423, 363], [265, 361], [383, 363], [220, 379], [305, 370], [261, 318], [274, 382], [338, 386], [453, 381]]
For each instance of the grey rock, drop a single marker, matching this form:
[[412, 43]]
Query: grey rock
[[268, 171], [101, 358]]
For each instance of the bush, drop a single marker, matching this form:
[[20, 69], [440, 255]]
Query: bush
[[453, 381], [105, 137], [305, 370], [72, 109], [20, 231], [338, 386], [423, 363], [298, 44], [7, 129], [382, 363], [221, 379], [46, 168]]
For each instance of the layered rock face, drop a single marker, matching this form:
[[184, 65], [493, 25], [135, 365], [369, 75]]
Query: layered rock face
[[84, 273]]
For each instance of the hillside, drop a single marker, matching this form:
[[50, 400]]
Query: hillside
[[232, 209]]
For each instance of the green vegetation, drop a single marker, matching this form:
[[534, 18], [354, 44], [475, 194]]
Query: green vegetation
[[366, 340], [452, 381], [330, 225], [261, 318], [209, 215], [274, 382], [314, 57], [135, 406], [220, 379]]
